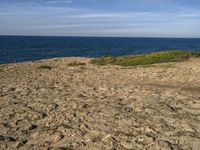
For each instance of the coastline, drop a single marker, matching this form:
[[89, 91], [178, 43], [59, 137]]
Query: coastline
[[27, 48], [50, 104]]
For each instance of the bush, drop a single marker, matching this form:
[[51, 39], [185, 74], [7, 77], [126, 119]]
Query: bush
[[146, 59]]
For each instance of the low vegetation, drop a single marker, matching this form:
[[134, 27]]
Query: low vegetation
[[76, 64], [146, 59], [45, 67]]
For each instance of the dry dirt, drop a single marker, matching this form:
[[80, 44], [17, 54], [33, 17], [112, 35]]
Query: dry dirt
[[50, 105]]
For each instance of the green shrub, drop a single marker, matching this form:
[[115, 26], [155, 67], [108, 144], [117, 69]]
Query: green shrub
[[146, 59]]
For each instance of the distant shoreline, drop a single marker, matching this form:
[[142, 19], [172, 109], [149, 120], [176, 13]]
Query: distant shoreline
[[100, 36], [133, 60], [30, 48]]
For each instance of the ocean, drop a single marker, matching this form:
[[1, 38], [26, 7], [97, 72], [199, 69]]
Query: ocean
[[30, 48]]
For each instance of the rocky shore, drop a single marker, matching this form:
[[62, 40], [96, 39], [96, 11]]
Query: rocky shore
[[58, 104]]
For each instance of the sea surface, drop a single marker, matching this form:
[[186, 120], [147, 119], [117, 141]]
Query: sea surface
[[30, 48]]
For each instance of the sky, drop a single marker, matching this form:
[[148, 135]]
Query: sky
[[107, 18]]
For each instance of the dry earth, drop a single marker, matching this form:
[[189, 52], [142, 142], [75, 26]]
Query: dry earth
[[50, 105]]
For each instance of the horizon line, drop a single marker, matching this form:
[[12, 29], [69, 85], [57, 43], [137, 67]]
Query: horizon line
[[88, 36]]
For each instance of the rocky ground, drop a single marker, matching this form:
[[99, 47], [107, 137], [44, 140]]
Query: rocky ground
[[52, 105]]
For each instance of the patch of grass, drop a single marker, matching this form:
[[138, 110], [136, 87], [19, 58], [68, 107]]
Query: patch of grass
[[76, 64], [146, 59], [45, 67]]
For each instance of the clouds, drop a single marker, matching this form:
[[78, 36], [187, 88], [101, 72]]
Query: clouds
[[100, 17], [58, 2]]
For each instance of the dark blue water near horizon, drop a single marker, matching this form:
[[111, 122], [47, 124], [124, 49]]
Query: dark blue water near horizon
[[30, 48]]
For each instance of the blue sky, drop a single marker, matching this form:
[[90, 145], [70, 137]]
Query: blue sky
[[124, 18]]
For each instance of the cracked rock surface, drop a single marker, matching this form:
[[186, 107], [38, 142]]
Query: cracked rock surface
[[50, 105]]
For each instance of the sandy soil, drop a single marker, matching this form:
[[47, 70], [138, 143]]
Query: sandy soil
[[92, 107]]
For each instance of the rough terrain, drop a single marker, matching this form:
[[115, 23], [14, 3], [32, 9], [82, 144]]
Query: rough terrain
[[51, 105]]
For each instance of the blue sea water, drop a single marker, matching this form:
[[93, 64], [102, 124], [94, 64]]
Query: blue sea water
[[29, 48]]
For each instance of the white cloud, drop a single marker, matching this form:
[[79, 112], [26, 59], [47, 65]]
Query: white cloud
[[189, 15], [58, 2], [110, 15]]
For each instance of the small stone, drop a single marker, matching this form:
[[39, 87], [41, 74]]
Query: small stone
[[58, 137], [35, 134], [107, 137], [71, 68], [32, 127], [44, 115], [12, 89], [140, 139], [10, 139], [81, 95], [128, 110], [24, 141], [2, 138], [187, 128], [148, 129], [19, 144]]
